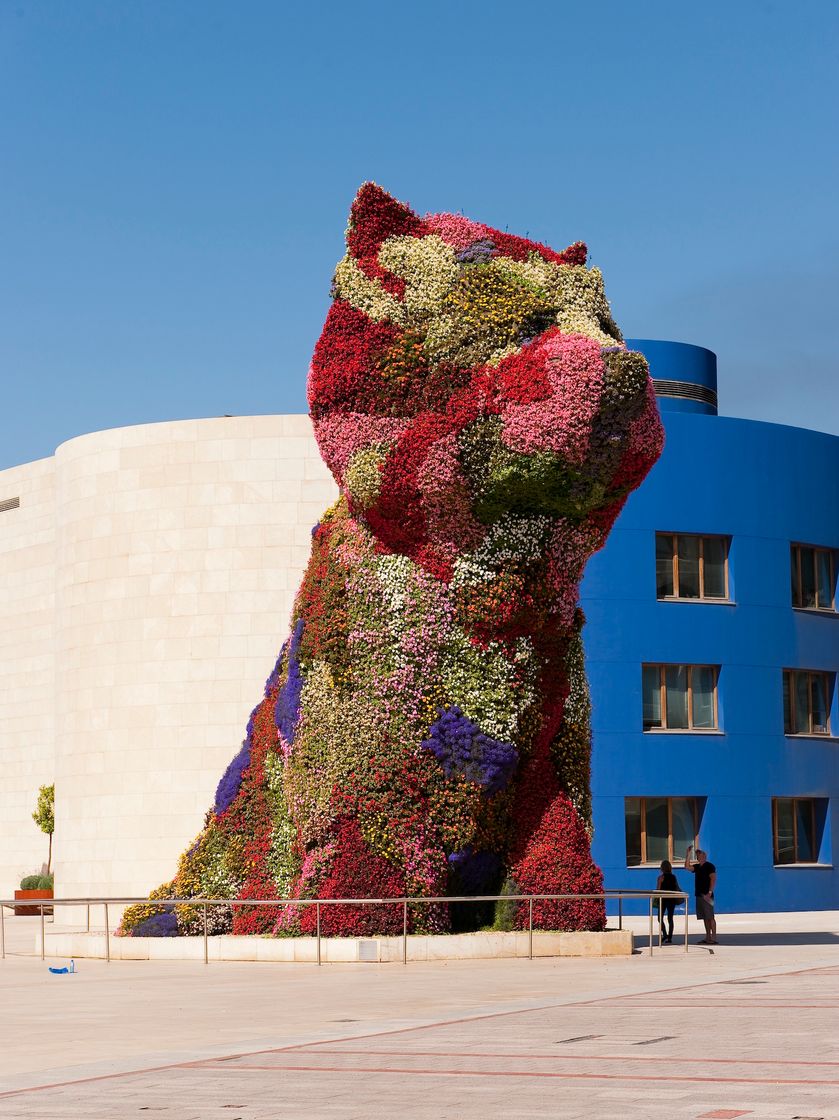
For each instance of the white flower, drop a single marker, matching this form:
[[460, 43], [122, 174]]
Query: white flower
[[365, 294]]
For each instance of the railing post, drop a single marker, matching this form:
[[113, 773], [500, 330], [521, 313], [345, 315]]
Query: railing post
[[107, 936], [530, 930], [88, 917], [42, 931], [405, 931], [317, 917], [687, 918], [620, 911], [2, 932], [651, 925], [206, 954], [660, 921]]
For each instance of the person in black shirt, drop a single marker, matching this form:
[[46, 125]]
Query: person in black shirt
[[667, 881], [704, 881]]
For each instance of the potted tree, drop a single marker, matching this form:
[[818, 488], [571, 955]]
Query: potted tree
[[40, 886]]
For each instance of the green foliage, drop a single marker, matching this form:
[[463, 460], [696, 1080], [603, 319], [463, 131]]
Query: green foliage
[[36, 883], [539, 483], [571, 749], [44, 815], [505, 912], [625, 382]]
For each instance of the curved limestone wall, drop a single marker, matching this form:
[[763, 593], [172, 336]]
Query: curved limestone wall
[[27, 667], [177, 551]]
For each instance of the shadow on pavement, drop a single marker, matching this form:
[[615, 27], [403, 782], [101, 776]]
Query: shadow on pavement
[[733, 940], [811, 937]]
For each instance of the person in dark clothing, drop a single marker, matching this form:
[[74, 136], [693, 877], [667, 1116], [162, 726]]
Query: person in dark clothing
[[667, 881], [704, 881]]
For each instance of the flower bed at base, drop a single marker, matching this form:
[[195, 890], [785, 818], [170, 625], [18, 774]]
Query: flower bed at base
[[425, 730]]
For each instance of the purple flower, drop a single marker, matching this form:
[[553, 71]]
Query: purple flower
[[287, 711], [231, 779], [462, 748], [164, 924], [478, 252]]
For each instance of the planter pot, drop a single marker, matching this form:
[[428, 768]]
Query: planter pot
[[29, 896]]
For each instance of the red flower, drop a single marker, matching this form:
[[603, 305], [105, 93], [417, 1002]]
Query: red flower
[[356, 872]]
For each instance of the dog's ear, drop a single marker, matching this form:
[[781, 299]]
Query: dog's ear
[[374, 216]]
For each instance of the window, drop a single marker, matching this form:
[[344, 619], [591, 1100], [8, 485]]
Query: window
[[691, 567], [794, 830], [812, 573], [807, 698], [659, 828], [679, 697]]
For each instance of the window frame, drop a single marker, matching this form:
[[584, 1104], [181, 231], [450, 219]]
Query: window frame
[[663, 666], [674, 561], [644, 861], [795, 801], [791, 691], [795, 549]]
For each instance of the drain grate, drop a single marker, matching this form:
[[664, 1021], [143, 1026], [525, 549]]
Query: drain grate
[[579, 1038], [650, 1041], [368, 950], [745, 981]]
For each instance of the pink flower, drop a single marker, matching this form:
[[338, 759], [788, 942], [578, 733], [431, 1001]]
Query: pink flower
[[456, 230], [341, 434], [562, 423]]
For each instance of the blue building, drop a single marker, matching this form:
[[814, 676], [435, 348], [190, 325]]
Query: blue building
[[712, 649]]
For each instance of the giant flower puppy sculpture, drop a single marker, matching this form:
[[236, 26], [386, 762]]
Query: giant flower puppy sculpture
[[425, 729]]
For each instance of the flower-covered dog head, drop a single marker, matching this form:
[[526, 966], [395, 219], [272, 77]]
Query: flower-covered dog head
[[465, 375]]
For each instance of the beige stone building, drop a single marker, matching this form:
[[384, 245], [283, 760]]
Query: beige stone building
[[147, 575]]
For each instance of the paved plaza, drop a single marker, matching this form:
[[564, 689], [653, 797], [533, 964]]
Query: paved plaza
[[749, 1030]]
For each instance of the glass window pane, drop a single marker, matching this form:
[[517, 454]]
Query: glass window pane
[[788, 728], [663, 565], [802, 703], [714, 550], [676, 696], [818, 693], [793, 571], [703, 678], [784, 845], [633, 831], [688, 567], [808, 578], [651, 687], [804, 823], [682, 809], [658, 847], [824, 589]]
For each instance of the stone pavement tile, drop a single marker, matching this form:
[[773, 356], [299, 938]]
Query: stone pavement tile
[[675, 1036]]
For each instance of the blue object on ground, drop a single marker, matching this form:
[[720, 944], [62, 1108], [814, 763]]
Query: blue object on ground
[[62, 971]]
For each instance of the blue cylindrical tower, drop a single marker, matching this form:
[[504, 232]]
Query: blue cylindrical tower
[[685, 377]]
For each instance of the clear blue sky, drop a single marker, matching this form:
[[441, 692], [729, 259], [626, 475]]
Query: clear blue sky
[[176, 176]]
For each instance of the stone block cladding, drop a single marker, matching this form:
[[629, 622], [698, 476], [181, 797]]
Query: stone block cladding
[[143, 583], [27, 666]]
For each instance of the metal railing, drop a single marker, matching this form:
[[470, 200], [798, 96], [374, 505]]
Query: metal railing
[[168, 903]]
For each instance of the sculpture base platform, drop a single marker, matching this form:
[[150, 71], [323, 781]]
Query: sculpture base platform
[[340, 950]]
